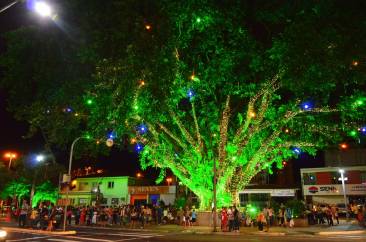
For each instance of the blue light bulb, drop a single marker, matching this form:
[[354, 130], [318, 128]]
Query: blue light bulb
[[306, 106], [296, 150], [139, 147], [190, 93]]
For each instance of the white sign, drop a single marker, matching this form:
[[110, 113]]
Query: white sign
[[334, 189], [283, 193]]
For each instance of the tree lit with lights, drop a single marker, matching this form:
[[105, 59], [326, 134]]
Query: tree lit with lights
[[196, 86]]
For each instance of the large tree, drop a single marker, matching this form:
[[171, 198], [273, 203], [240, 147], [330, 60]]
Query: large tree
[[196, 82]]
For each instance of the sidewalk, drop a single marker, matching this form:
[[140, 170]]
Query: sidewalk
[[345, 228]]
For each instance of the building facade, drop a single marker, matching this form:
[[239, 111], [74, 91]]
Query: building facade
[[116, 190], [324, 185]]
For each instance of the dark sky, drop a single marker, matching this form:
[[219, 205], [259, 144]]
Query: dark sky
[[12, 130]]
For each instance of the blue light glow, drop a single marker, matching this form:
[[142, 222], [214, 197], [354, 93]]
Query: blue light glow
[[190, 93], [296, 150], [112, 135], [142, 129], [139, 147], [306, 106]]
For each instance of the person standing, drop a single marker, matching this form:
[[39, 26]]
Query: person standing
[[23, 214], [224, 219]]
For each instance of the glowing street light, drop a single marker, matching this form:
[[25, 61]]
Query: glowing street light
[[342, 178], [40, 158], [43, 9], [10, 156]]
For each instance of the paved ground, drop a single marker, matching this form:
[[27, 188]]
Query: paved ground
[[346, 231], [103, 235]]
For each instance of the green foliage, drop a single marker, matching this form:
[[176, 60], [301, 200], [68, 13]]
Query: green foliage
[[16, 188], [45, 192]]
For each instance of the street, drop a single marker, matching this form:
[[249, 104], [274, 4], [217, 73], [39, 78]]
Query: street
[[110, 235]]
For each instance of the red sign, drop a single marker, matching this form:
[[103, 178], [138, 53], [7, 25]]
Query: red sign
[[313, 189]]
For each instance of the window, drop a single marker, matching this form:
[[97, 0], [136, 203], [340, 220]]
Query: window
[[111, 184]]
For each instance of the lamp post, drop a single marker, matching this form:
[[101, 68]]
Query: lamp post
[[39, 159], [342, 178], [10, 156], [68, 177]]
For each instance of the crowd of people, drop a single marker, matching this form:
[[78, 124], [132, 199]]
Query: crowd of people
[[232, 218], [329, 214], [50, 217]]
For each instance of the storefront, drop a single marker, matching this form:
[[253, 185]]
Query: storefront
[[261, 197], [151, 194], [324, 185]]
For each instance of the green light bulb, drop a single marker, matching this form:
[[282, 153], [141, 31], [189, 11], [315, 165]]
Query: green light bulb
[[136, 107], [89, 101], [359, 102], [353, 133], [198, 20]]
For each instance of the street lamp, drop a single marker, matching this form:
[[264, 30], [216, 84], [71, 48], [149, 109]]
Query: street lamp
[[342, 178], [10, 156], [39, 158], [40, 7], [67, 178]]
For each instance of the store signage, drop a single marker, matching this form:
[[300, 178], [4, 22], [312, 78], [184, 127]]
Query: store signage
[[351, 189], [148, 189], [283, 193]]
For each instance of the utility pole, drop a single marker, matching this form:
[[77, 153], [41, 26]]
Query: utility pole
[[214, 197]]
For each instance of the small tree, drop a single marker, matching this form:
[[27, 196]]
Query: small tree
[[45, 192]]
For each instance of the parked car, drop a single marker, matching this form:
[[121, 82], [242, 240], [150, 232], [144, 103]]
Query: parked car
[[3, 235]]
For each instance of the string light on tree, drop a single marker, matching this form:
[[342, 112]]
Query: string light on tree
[[142, 83], [198, 20], [147, 26], [190, 93], [296, 150], [355, 63], [363, 130], [353, 133], [343, 146], [139, 147], [252, 114], [89, 101], [142, 129], [306, 106]]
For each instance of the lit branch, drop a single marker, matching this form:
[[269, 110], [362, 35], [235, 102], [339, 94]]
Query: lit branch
[[223, 130], [196, 125], [182, 128], [171, 135]]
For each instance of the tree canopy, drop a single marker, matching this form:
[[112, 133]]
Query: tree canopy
[[244, 84]]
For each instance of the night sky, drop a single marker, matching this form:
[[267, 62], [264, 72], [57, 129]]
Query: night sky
[[13, 131], [119, 162]]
